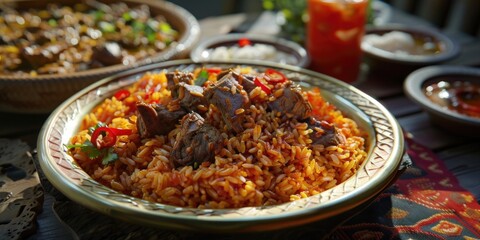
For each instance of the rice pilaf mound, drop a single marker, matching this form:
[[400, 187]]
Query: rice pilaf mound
[[272, 160]]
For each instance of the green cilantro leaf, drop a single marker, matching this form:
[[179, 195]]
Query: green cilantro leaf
[[202, 78], [88, 148], [107, 154], [109, 157]]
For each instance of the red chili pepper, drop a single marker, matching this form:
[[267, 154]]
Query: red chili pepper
[[104, 137], [214, 70], [242, 42], [120, 132], [274, 76], [122, 94], [264, 87]]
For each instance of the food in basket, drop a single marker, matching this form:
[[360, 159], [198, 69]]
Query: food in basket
[[218, 138], [61, 39]]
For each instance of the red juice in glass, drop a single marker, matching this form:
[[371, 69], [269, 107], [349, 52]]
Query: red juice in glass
[[334, 34]]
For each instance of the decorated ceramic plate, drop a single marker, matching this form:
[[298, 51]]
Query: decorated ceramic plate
[[242, 148]]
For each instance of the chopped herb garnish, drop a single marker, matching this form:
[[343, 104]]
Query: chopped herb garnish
[[127, 16], [109, 157], [88, 148], [165, 27], [98, 15], [52, 22], [138, 26], [202, 78], [106, 27], [102, 141]]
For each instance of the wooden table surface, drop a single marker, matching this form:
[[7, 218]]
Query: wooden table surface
[[460, 154]]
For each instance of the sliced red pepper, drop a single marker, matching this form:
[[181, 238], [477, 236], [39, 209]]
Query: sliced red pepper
[[258, 82], [214, 70], [104, 137], [122, 94], [120, 132], [274, 76], [242, 42]]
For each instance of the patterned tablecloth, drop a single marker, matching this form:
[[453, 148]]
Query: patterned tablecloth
[[426, 202]]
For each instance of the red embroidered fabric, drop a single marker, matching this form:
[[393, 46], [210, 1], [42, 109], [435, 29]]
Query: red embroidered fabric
[[426, 202]]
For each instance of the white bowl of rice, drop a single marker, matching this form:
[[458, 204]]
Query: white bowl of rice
[[252, 47], [270, 166]]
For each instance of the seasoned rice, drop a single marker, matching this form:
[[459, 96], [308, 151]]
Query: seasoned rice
[[271, 162]]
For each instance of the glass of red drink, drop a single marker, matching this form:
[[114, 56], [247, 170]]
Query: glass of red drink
[[334, 34]]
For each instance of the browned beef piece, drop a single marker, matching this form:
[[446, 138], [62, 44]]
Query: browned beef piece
[[109, 53], [227, 101], [196, 142], [223, 73], [190, 96], [38, 56], [246, 80], [156, 119], [174, 78], [324, 133], [292, 103]]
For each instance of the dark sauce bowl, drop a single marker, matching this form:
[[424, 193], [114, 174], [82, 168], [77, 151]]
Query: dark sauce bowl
[[450, 94]]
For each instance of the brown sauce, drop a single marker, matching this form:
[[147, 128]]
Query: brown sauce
[[459, 96]]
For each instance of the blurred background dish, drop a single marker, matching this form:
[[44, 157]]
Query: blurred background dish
[[52, 49], [397, 50], [384, 140], [381, 13], [450, 94], [254, 47]]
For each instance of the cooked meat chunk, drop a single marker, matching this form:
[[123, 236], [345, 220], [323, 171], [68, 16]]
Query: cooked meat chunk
[[227, 97], [174, 78], [223, 73], [324, 133], [38, 56], [245, 80], [156, 119], [196, 142], [292, 103], [190, 96], [108, 54]]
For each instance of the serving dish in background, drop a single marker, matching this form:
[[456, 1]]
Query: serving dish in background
[[386, 49], [455, 91], [385, 147], [42, 93], [253, 47]]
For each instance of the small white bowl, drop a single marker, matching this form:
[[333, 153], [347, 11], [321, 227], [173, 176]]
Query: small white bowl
[[293, 53], [400, 65], [451, 120]]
